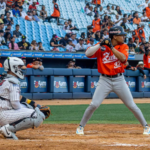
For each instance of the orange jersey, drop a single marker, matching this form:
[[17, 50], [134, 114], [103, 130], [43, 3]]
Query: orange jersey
[[134, 34], [107, 62], [98, 2], [56, 12], [108, 27], [147, 12], [88, 41], [146, 60], [1, 66], [96, 25], [10, 2], [125, 66], [136, 21], [141, 34], [30, 65], [20, 2]]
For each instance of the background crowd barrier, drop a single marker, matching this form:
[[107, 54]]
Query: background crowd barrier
[[75, 83]]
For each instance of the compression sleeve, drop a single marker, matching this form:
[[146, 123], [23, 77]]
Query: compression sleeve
[[92, 50], [141, 70], [16, 104]]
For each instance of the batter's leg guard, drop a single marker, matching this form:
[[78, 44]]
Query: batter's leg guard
[[26, 123]]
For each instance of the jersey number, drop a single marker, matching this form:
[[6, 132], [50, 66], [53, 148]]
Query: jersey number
[[117, 64]]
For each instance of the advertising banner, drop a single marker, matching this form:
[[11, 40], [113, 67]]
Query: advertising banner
[[79, 84], [40, 84], [132, 84], [60, 84], [94, 81], [17, 54], [49, 55], [24, 85], [143, 84]]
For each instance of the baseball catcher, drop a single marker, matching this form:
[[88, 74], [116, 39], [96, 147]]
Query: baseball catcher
[[16, 112]]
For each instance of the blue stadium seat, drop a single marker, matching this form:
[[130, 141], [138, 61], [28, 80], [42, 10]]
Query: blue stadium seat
[[72, 9]]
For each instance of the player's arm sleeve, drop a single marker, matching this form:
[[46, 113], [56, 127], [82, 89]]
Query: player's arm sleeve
[[128, 67], [125, 52], [41, 67], [141, 70], [92, 51], [16, 105], [14, 92]]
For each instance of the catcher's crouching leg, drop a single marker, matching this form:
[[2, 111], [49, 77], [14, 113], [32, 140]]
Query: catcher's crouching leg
[[35, 120]]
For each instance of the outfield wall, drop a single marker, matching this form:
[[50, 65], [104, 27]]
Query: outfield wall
[[75, 83]]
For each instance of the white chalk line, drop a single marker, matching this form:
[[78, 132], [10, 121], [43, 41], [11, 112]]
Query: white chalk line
[[128, 145], [89, 141]]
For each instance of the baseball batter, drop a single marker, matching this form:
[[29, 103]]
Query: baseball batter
[[111, 54], [16, 115]]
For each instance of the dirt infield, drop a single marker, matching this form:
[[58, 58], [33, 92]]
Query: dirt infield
[[63, 137], [87, 101]]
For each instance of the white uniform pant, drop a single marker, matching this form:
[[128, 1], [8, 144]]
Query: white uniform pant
[[10, 116], [119, 86]]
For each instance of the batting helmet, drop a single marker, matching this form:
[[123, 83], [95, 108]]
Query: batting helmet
[[117, 30]]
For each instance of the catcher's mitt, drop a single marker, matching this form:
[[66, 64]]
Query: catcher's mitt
[[46, 111]]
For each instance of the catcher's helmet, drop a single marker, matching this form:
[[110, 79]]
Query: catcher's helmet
[[117, 30], [14, 65]]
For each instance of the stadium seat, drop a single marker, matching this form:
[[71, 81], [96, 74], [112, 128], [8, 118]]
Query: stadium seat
[[75, 10]]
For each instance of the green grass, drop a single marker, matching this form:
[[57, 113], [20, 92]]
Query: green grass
[[105, 114]]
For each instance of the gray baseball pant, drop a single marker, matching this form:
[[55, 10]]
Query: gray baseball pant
[[104, 87]]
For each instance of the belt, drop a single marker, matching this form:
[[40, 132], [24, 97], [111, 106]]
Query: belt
[[114, 76]]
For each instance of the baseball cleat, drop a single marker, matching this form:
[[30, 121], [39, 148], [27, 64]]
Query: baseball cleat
[[7, 134], [146, 130], [80, 130]]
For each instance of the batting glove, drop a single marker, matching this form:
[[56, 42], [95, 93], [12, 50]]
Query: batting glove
[[107, 42]]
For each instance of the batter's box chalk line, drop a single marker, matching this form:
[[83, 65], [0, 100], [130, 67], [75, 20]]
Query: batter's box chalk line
[[128, 145]]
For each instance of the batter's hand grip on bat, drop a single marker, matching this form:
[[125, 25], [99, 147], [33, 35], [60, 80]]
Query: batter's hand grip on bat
[[107, 42]]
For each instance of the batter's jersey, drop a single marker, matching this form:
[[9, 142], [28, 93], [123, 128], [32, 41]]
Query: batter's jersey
[[107, 62], [146, 60], [10, 92]]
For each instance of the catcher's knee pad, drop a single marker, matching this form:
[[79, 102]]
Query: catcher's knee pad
[[40, 117], [35, 120]]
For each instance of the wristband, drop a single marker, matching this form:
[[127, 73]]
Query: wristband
[[28, 101], [23, 99]]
